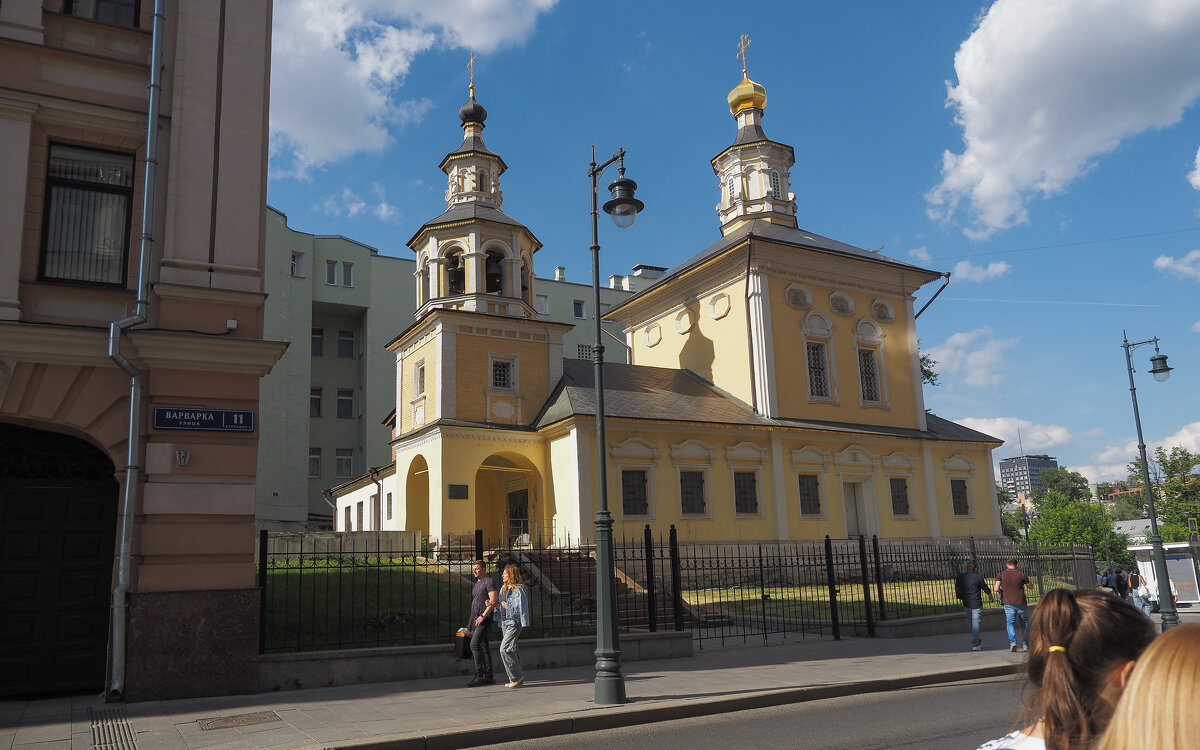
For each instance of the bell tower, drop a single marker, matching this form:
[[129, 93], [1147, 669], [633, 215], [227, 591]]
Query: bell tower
[[753, 172], [474, 256]]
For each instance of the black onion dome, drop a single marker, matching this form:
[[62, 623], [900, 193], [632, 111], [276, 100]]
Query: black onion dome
[[472, 111]]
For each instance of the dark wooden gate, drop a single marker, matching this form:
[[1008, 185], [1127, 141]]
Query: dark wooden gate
[[58, 508]]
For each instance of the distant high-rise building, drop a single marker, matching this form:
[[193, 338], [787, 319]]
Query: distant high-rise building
[[1019, 474]]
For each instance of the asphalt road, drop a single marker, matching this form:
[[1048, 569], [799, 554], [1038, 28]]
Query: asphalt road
[[957, 716]]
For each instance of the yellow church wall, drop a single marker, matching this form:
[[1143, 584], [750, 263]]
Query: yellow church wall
[[563, 485], [473, 373], [411, 401], [791, 367], [971, 464], [706, 335]]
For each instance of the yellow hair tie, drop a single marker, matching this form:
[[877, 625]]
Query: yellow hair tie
[[1058, 648]]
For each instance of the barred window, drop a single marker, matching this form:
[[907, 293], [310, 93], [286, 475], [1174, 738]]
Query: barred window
[[818, 370], [776, 190], [745, 492], [634, 501], [691, 492], [810, 496], [868, 375], [314, 402], [958, 497], [502, 375], [583, 351], [899, 496], [345, 403], [85, 227]]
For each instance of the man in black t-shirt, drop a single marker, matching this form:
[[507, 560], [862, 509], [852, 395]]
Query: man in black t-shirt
[[483, 602], [970, 588]]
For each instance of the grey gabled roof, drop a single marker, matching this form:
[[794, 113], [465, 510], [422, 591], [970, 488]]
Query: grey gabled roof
[[638, 392], [464, 212], [782, 235], [473, 144]]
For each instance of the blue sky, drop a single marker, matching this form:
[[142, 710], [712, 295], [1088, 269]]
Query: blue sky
[[1046, 154]]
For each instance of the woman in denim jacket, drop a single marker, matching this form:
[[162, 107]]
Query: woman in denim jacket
[[513, 615]]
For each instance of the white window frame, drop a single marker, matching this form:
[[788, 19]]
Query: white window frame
[[514, 381], [818, 330], [636, 454], [579, 309], [345, 396], [331, 269], [868, 337], [419, 379], [314, 454], [541, 303], [315, 402], [347, 274], [298, 265], [342, 470]]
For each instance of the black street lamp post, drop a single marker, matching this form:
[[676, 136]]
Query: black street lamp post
[[623, 208], [1160, 371]]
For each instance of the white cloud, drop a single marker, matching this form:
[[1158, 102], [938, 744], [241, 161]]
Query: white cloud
[[1112, 463], [1196, 326], [967, 271], [1015, 432], [350, 204], [1046, 87], [383, 210], [974, 356], [920, 254], [1194, 175], [1187, 267], [337, 65]]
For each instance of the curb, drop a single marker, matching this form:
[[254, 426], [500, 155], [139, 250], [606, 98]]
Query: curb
[[596, 718]]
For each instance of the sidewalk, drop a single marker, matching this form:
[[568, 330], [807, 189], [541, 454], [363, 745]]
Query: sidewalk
[[434, 713], [444, 713]]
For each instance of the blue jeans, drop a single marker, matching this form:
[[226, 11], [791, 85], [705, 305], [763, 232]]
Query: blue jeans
[[1140, 603], [1011, 613], [509, 653], [976, 616]]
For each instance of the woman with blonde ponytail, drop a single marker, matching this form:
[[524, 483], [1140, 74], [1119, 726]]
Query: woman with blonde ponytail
[[1083, 647], [1158, 707]]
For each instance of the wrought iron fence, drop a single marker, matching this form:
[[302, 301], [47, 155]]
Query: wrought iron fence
[[338, 591]]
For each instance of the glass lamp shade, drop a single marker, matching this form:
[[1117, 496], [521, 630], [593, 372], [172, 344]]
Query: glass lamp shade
[[623, 208], [1159, 368]]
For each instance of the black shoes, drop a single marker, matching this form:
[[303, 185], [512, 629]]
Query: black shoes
[[481, 681]]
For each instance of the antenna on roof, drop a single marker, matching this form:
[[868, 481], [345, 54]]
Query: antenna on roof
[[1019, 443]]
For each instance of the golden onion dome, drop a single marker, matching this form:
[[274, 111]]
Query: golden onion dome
[[747, 95]]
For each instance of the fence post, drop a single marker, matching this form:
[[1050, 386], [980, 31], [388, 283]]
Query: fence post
[[1037, 564], [653, 600], [762, 591], [478, 544], [676, 580], [866, 583], [879, 576], [829, 576], [262, 593], [974, 554]]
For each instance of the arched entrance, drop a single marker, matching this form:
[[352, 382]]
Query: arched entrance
[[416, 496], [508, 503], [58, 512]]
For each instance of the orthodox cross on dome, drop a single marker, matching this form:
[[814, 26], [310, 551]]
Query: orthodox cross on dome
[[471, 69], [743, 43]]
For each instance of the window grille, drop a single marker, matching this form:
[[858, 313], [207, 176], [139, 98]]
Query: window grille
[[634, 501], [810, 496], [818, 370], [584, 351], [899, 496], [691, 492], [958, 496], [85, 232], [868, 375], [745, 492], [776, 190], [502, 375]]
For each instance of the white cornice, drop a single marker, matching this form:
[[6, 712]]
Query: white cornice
[[50, 344], [205, 294], [184, 351]]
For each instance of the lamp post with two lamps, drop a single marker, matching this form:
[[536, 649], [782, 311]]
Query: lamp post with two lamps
[[623, 208], [1160, 371]]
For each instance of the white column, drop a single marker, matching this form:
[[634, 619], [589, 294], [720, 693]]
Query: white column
[[762, 352], [21, 20], [16, 125]]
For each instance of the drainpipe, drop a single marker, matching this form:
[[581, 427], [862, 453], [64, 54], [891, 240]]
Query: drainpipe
[[377, 516], [129, 503], [945, 283]]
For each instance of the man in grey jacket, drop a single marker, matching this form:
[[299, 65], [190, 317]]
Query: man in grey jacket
[[970, 587]]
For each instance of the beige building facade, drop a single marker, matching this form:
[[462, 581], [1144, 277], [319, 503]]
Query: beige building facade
[[132, 343]]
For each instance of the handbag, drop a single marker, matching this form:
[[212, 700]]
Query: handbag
[[1143, 591], [462, 644]]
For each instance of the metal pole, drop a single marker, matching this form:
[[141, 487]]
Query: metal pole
[[610, 683], [1166, 603]]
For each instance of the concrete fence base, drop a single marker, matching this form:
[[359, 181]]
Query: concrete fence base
[[957, 622], [298, 671]]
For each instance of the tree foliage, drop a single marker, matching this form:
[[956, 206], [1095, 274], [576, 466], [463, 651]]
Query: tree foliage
[[1072, 484], [1063, 521], [929, 375], [1177, 488]]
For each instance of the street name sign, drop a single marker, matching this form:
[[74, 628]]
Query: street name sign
[[218, 420]]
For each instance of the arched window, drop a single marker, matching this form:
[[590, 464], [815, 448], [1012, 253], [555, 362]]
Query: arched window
[[729, 185], [456, 272], [493, 274], [485, 184], [868, 339], [818, 334], [776, 190]]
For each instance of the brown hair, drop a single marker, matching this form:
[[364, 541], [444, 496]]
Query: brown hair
[[1078, 641], [1158, 707], [514, 578]]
